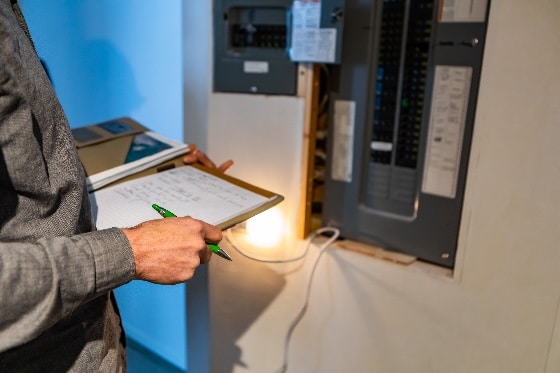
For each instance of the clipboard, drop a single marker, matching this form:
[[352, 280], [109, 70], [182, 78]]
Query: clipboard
[[273, 198], [192, 190]]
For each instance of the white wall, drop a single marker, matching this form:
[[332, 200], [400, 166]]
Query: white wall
[[496, 314]]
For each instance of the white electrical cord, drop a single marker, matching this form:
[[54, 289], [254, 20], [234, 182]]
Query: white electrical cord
[[334, 236], [280, 261]]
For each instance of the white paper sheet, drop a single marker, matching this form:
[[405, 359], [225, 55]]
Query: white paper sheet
[[103, 178], [186, 191]]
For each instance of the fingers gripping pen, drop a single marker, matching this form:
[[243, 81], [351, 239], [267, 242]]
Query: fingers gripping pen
[[213, 247]]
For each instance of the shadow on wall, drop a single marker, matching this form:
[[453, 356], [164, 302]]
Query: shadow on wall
[[243, 290]]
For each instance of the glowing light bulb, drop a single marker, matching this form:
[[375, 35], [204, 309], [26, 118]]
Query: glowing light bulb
[[265, 229]]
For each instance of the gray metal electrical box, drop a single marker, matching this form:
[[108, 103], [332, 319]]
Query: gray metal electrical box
[[251, 47], [403, 105], [258, 43]]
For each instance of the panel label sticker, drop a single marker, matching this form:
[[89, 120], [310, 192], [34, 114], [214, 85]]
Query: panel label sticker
[[343, 140], [450, 98], [255, 67], [463, 10], [310, 42]]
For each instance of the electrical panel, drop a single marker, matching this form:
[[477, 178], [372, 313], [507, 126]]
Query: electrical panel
[[402, 113], [251, 47], [258, 43]]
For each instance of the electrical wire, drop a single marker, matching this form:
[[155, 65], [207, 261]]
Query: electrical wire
[[334, 234], [276, 261]]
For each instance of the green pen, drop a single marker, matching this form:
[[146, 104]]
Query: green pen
[[213, 247]]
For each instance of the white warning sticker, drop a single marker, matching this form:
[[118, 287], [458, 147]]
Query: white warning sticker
[[450, 99], [343, 140]]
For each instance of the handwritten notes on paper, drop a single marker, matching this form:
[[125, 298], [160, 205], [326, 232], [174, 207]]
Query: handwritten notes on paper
[[186, 191]]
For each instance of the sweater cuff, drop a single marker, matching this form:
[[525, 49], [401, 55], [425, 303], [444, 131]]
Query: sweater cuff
[[114, 262]]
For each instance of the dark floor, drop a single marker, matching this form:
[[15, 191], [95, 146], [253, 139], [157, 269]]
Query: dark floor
[[142, 360]]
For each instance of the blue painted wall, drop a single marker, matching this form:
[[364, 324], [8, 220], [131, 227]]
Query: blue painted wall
[[109, 58], [122, 58]]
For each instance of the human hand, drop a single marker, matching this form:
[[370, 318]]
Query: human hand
[[196, 155], [168, 251]]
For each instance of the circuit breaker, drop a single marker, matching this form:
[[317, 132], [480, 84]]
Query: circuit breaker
[[402, 114]]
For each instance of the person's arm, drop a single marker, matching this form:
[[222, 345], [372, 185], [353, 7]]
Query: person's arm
[[44, 281]]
